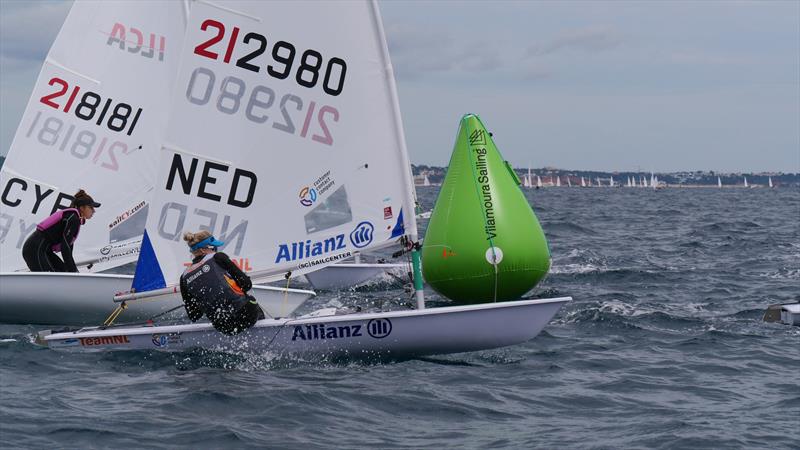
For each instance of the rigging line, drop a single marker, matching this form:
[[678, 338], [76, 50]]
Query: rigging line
[[286, 292], [283, 325], [480, 204], [145, 322], [164, 313], [114, 314]]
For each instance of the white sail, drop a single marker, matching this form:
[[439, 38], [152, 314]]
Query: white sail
[[94, 121], [529, 179], [598, 181], [745, 182], [305, 163], [770, 182], [644, 181], [611, 181], [569, 183], [719, 182], [558, 181], [538, 181], [426, 181], [583, 183]]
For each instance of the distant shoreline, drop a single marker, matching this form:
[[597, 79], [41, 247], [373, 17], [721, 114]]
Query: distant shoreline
[[685, 179], [550, 176]]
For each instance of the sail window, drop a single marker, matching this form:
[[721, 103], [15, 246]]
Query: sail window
[[332, 212]]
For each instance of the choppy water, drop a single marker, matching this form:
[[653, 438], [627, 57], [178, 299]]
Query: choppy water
[[663, 347]]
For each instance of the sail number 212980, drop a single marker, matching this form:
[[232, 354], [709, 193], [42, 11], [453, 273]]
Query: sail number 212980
[[309, 67]]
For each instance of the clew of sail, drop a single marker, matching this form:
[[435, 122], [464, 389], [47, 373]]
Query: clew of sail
[[95, 117], [284, 141]]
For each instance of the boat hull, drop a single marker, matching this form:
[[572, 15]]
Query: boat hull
[[343, 275], [86, 299], [394, 334]]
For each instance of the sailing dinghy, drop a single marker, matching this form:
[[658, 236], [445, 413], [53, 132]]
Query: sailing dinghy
[[95, 121], [359, 152]]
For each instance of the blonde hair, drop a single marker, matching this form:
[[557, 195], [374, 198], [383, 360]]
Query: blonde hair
[[194, 238]]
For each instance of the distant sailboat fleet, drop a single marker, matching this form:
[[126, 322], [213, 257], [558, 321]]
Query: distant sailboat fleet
[[530, 179]]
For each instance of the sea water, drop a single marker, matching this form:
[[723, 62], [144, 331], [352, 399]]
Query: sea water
[[662, 347]]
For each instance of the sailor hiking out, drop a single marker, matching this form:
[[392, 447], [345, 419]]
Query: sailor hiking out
[[57, 234], [213, 286]]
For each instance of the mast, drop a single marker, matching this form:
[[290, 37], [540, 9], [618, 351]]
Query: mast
[[405, 161]]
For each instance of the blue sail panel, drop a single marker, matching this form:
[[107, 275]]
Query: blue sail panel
[[148, 272], [399, 228]]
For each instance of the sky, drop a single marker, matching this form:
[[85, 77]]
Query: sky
[[605, 85]]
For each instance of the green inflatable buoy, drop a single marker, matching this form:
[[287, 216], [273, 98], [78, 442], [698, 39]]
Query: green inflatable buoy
[[483, 242]]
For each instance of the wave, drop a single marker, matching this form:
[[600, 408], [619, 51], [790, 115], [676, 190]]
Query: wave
[[730, 226], [559, 226], [784, 273]]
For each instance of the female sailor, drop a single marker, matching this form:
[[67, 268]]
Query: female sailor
[[214, 286], [57, 234]]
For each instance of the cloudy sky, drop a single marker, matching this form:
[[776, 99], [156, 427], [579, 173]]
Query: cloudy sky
[[664, 86]]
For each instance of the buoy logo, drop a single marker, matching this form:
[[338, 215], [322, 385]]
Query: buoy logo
[[308, 196], [494, 255], [362, 235], [477, 137], [379, 328]]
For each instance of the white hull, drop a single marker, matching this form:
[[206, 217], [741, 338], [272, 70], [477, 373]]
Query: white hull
[[787, 313], [432, 331], [790, 314], [86, 299], [343, 275]]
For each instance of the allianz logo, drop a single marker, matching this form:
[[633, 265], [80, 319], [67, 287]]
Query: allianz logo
[[360, 237], [376, 328]]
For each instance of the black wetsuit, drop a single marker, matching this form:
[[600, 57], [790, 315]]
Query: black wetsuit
[[208, 292], [38, 249]]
